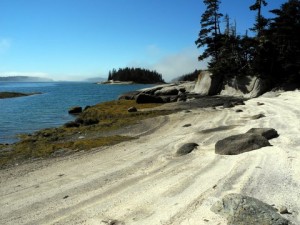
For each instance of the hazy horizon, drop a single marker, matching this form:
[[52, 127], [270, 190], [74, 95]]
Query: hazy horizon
[[67, 40]]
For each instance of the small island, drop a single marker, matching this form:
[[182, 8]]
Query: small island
[[133, 76], [15, 94]]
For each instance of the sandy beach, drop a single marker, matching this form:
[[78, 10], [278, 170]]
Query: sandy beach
[[143, 181]]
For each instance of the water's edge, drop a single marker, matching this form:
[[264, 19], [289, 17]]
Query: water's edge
[[50, 108]]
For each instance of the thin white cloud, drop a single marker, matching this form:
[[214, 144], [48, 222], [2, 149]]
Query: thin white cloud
[[4, 45], [176, 64]]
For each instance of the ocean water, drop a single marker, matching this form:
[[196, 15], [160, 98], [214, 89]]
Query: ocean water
[[49, 109]]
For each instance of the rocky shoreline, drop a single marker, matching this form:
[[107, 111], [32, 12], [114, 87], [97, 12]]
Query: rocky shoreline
[[181, 161], [214, 159], [103, 124]]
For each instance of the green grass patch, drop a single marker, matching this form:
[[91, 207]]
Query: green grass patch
[[109, 117]]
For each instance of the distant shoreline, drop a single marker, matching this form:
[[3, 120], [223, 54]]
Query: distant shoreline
[[116, 82], [15, 94]]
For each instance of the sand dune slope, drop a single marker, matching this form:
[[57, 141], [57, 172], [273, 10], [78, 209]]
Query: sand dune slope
[[144, 182]]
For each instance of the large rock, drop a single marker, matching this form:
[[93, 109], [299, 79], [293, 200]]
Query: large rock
[[186, 149], [132, 109], [188, 86], [167, 91], [75, 110], [145, 98], [268, 133], [240, 143], [244, 210], [203, 83], [152, 90]]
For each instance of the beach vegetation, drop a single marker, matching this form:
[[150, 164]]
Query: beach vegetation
[[111, 117]]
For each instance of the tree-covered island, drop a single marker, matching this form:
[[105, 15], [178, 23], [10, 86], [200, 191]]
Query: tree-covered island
[[134, 75]]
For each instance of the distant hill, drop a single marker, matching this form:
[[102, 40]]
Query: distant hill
[[95, 79], [24, 79]]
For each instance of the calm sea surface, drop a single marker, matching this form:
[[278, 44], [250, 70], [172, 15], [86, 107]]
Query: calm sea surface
[[49, 109]]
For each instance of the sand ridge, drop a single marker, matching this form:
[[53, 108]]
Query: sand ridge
[[143, 181]]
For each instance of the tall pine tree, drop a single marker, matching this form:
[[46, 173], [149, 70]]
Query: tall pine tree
[[210, 31], [261, 22]]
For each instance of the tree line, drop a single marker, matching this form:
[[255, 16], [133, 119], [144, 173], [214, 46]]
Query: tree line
[[273, 53], [137, 75]]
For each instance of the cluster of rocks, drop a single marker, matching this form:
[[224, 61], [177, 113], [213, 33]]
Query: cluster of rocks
[[206, 85], [76, 111], [160, 94], [253, 139]]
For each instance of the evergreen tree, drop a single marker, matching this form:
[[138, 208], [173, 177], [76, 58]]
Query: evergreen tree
[[260, 44], [210, 31], [261, 21], [234, 59], [284, 35], [109, 75], [274, 54], [137, 75]]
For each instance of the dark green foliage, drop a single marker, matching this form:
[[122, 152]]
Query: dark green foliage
[[277, 55], [261, 22], [235, 54], [210, 30], [285, 43], [273, 54], [137, 75]]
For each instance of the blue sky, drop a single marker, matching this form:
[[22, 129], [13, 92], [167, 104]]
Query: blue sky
[[78, 39]]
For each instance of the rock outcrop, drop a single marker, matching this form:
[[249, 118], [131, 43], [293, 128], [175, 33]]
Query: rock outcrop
[[240, 143], [268, 133], [146, 98], [160, 94], [248, 87], [132, 109], [203, 83], [75, 110], [254, 139], [242, 210], [206, 85]]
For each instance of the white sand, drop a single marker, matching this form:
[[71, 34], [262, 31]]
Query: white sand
[[143, 182]]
